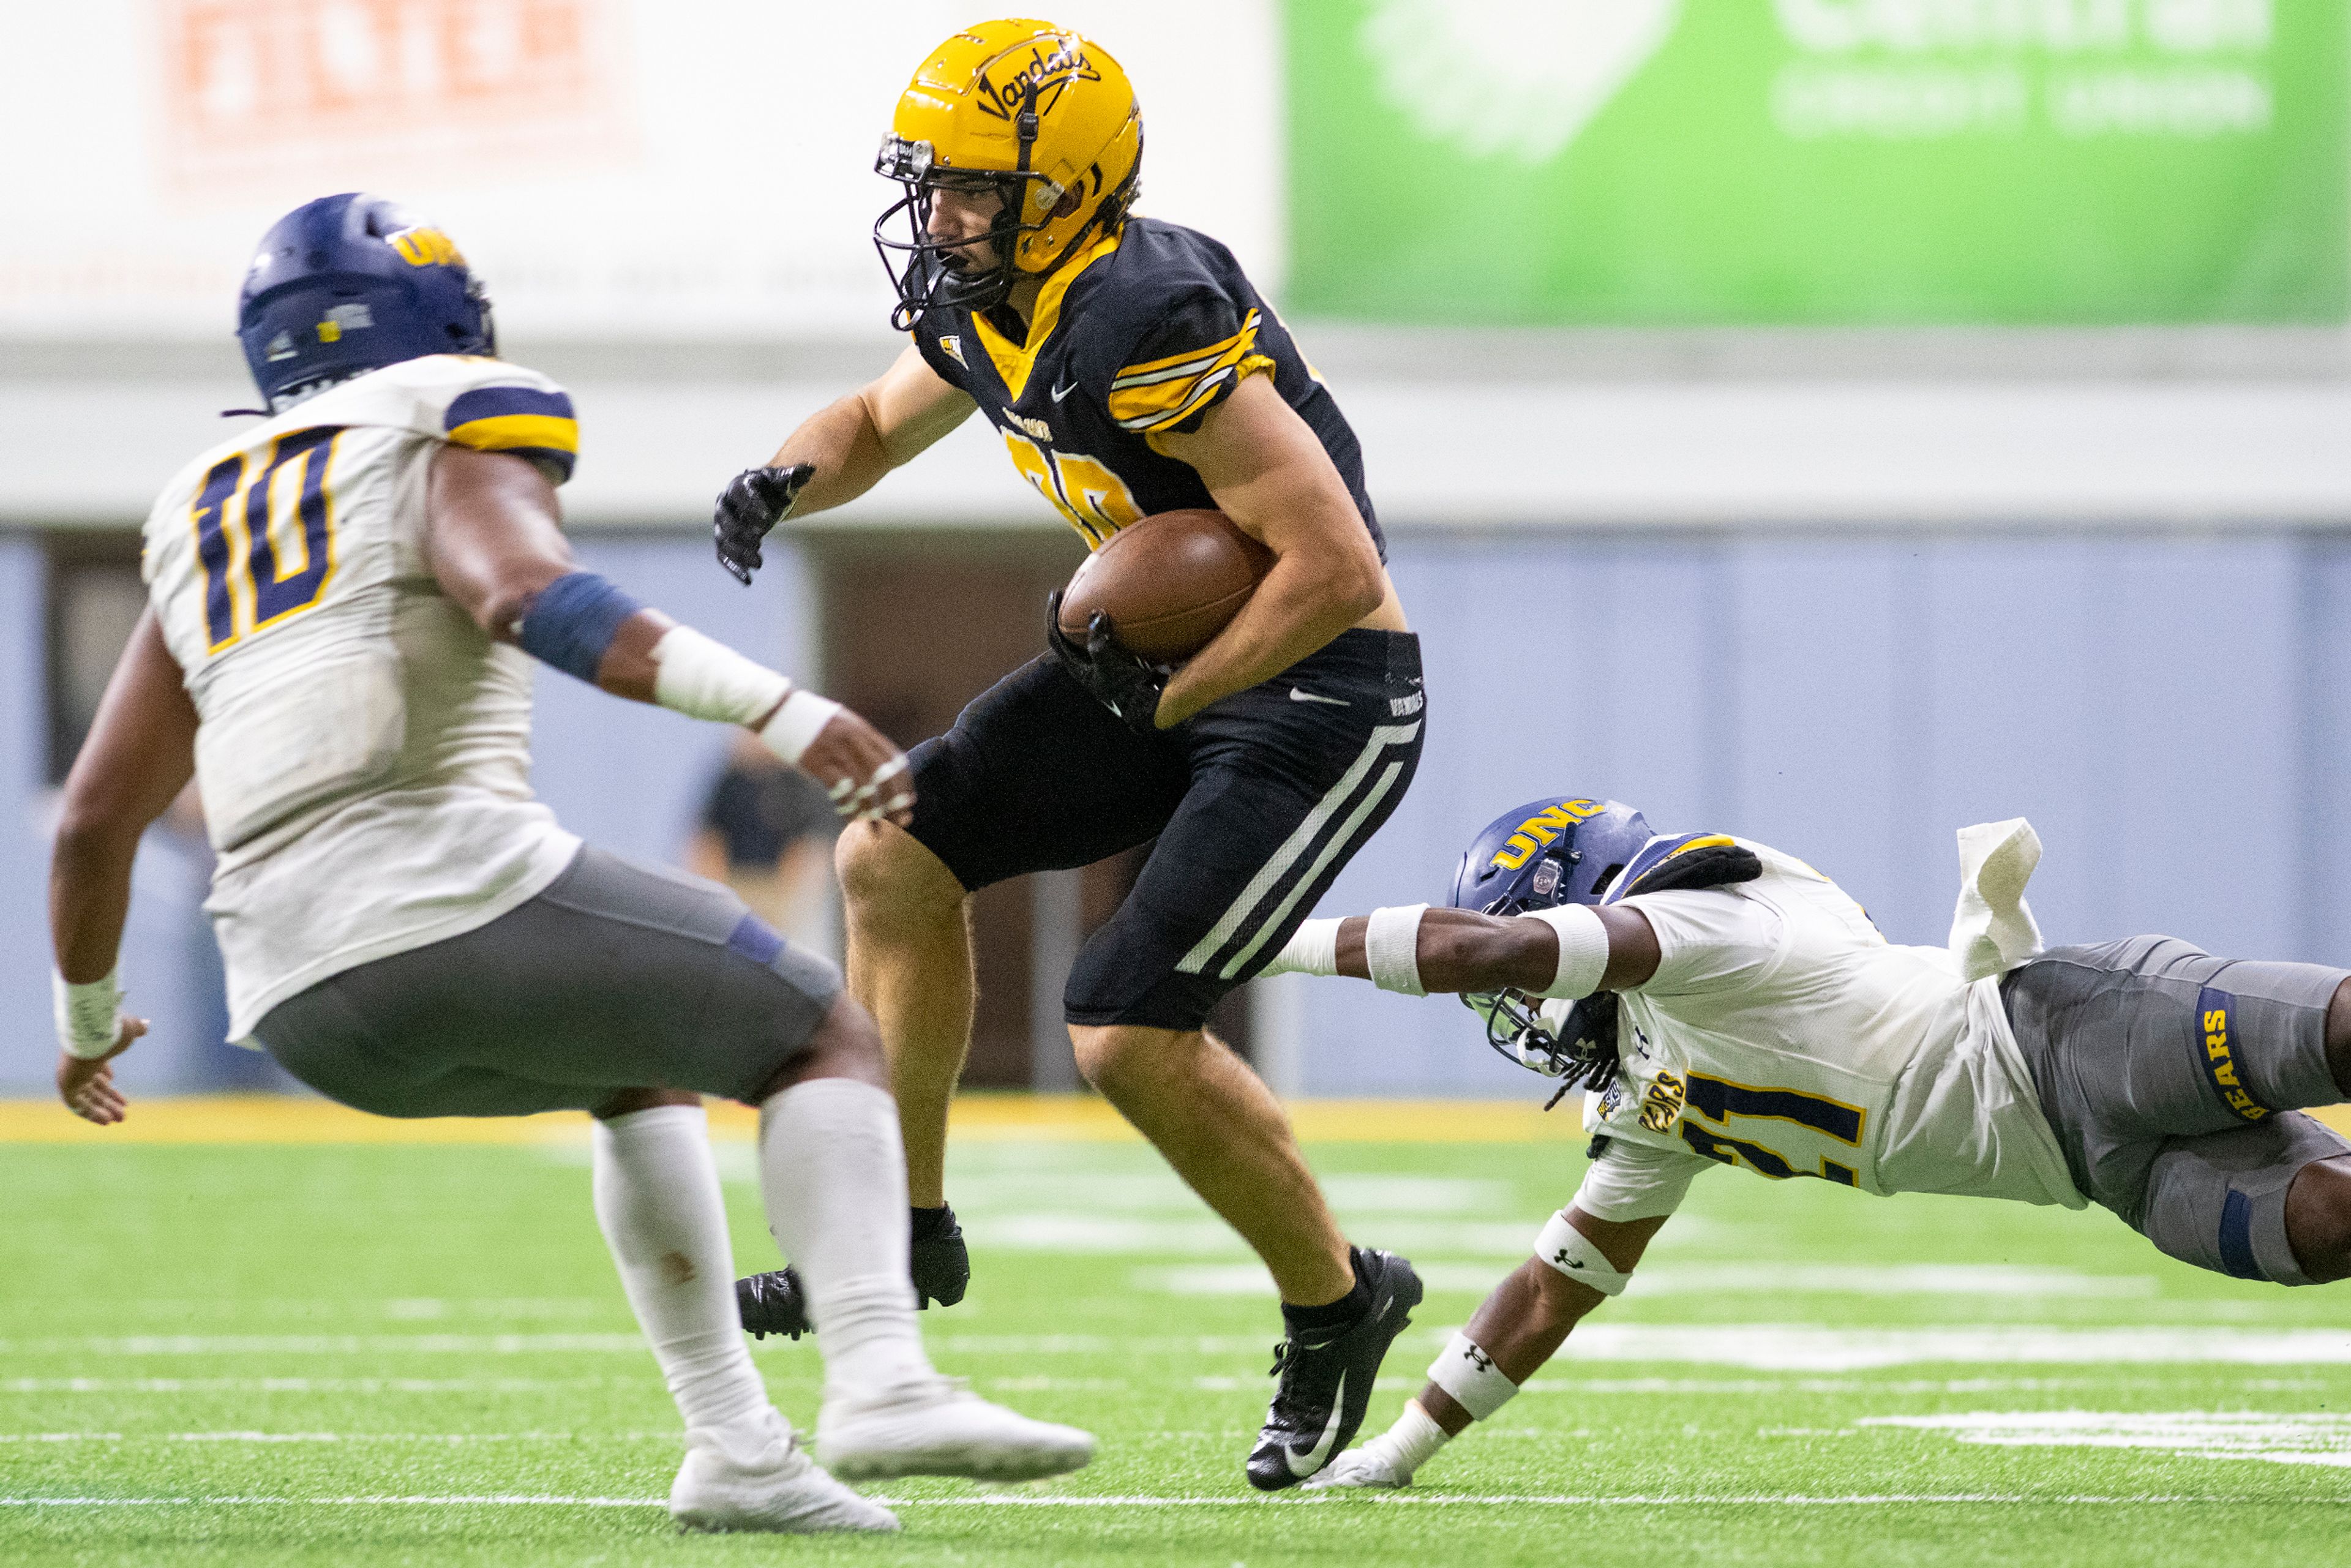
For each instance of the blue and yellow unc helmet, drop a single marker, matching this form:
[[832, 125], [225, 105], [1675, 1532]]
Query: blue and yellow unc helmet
[[350, 284], [1040, 115], [1565, 849]]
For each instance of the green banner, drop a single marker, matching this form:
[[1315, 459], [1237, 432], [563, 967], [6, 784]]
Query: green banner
[[1704, 163]]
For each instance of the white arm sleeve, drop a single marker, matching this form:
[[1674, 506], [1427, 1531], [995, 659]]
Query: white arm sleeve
[[1634, 1181]]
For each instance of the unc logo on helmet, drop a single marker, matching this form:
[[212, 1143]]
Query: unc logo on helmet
[[1040, 116], [1542, 829], [1582, 842], [350, 284]]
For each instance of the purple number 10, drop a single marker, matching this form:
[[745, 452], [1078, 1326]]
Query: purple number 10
[[245, 579]]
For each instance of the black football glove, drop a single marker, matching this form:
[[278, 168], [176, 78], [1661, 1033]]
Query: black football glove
[[754, 502], [1126, 684]]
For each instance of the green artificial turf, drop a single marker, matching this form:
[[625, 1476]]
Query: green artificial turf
[[376, 1354]]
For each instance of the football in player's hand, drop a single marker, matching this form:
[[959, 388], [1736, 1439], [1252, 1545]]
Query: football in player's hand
[[1170, 583]]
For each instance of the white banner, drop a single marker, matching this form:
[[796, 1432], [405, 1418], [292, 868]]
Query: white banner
[[614, 168]]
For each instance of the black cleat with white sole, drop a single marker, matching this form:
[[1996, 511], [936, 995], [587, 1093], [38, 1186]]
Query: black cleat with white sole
[[1325, 1387], [936, 1262]]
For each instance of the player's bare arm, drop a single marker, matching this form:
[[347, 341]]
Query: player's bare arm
[[1524, 1320], [1461, 950], [497, 549], [1269, 474], [852, 441], [140, 755], [1580, 1261], [837, 454]]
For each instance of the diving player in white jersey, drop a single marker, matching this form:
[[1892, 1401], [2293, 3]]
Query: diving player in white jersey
[[340, 603], [1721, 1003]]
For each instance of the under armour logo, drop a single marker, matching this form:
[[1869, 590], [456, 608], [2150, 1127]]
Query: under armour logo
[[1480, 1359], [1564, 1261]]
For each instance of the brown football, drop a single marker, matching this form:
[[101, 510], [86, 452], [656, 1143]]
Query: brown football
[[1170, 583]]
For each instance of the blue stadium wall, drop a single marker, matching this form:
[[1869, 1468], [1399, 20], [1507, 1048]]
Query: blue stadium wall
[[2172, 711]]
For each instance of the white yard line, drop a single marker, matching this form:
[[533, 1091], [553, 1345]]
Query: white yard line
[[1389, 1500], [1746, 1280], [2305, 1438], [1811, 1347], [1768, 1347], [310, 1384], [451, 1438], [1785, 1385], [332, 1345]]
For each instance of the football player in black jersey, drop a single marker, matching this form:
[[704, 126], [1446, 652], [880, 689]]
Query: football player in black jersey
[[1131, 369]]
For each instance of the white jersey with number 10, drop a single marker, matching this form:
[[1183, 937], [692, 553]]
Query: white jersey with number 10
[[364, 749]]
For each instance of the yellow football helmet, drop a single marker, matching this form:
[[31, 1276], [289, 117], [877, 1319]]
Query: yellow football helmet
[[1035, 113]]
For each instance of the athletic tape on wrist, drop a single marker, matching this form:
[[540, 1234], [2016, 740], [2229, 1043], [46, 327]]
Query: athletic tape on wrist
[[573, 620], [1470, 1374], [1583, 950], [1391, 948], [1406, 1446], [798, 723], [1570, 1251], [1312, 949], [88, 1016], [706, 678]]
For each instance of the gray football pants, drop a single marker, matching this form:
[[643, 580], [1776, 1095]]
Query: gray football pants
[[618, 976], [2176, 1082]]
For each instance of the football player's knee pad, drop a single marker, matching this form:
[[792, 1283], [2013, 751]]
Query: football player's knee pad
[[1468, 1374], [1564, 1247]]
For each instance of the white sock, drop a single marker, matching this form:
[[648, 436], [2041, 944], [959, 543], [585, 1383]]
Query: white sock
[[658, 1201], [1406, 1446], [834, 1174]]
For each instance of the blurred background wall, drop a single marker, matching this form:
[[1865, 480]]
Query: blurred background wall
[[1830, 420]]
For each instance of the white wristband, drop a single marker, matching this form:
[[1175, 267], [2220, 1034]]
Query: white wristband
[[1570, 1251], [797, 725], [88, 1016], [1470, 1374], [1391, 948], [1312, 949], [702, 677], [1582, 949]]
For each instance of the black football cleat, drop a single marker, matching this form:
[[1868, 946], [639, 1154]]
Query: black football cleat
[[1325, 1389], [936, 1262]]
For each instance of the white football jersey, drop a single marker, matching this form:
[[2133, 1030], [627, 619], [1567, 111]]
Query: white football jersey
[[364, 749], [1782, 1032]]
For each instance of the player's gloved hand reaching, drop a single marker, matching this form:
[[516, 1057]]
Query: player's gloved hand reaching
[[1126, 684], [750, 506]]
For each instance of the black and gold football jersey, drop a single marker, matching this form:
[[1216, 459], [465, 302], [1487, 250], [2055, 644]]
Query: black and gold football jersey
[[1142, 332]]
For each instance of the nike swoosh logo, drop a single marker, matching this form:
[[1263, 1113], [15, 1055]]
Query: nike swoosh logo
[[1299, 697], [1314, 1458], [1061, 392]]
